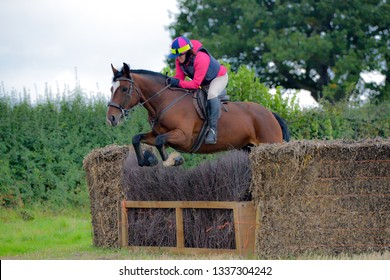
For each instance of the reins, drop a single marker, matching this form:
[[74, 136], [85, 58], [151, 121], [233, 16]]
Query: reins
[[154, 95]]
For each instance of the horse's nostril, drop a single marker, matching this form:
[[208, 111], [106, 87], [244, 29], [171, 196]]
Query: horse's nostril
[[111, 120]]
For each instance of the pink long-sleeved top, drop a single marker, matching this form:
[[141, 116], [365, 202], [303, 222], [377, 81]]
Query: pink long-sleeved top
[[201, 65]]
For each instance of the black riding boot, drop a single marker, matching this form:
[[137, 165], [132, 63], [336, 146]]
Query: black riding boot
[[213, 107]]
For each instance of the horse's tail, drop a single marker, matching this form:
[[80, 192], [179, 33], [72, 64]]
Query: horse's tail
[[283, 125]]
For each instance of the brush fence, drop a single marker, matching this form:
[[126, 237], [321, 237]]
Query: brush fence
[[307, 197]]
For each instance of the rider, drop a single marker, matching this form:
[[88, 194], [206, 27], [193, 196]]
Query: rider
[[194, 61]]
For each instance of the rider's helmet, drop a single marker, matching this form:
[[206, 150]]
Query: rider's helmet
[[180, 46]]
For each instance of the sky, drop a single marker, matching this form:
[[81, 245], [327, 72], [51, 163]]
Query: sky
[[51, 42]]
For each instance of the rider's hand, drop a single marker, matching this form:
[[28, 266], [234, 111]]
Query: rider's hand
[[173, 82]]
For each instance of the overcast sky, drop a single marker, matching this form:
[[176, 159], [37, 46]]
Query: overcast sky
[[44, 41]]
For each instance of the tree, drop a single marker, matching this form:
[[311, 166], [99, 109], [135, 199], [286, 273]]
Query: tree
[[321, 46]]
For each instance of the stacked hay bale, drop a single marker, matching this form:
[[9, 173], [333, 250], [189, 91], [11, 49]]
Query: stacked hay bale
[[325, 197], [104, 179]]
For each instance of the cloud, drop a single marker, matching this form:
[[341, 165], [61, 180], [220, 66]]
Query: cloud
[[43, 40]]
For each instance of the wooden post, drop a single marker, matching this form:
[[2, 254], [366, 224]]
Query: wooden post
[[245, 224], [179, 228], [123, 225]]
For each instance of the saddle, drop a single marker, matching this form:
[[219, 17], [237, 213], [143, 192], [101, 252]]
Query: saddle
[[200, 101], [200, 104]]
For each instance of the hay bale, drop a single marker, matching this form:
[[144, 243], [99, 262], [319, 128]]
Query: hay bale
[[104, 173], [322, 196]]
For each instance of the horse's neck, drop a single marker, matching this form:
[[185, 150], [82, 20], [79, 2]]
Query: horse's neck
[[155, 96]]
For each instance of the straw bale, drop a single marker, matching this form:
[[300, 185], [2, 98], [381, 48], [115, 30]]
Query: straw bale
[[322, 196], [104, 167]]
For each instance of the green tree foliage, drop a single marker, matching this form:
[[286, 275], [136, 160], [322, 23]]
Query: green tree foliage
[[321, 46]]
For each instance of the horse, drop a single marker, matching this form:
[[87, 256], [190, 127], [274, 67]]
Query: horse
[[176, 123]]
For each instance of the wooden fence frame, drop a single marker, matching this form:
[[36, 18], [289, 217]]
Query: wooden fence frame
[[244, 215]]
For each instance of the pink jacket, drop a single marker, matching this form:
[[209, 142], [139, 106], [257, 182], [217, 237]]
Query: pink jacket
[[201, 65]]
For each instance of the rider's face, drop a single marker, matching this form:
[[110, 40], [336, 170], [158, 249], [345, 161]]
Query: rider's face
[[182, 58]]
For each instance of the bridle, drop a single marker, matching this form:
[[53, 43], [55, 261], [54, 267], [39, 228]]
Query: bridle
[[125, 102]]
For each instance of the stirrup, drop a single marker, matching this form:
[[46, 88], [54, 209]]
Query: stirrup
[[213, 134]]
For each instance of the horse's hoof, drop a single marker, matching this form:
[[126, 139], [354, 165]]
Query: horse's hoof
[[174, 159], [150, 159], [178, 161]]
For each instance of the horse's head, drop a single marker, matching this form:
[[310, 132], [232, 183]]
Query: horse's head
[[124, 95]]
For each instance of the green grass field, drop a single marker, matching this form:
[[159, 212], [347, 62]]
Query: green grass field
[[27, 234]]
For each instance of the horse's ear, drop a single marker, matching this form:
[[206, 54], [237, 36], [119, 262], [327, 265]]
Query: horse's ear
[[126, 69], [113, 69]]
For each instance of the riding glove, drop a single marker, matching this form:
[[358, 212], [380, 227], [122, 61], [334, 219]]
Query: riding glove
[[173, 82]]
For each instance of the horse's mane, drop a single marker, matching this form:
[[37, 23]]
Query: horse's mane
[[148, 72], [141, 72]]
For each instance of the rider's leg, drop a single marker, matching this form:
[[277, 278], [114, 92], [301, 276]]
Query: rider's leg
[[213, 106]]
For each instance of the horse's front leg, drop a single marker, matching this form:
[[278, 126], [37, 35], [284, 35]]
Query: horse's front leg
[[175, 136], [147, 158]]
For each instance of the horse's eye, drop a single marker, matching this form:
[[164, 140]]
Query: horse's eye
[[124, 89]]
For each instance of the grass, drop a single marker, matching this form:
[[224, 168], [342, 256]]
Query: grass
[[24, 232], [44, 235]]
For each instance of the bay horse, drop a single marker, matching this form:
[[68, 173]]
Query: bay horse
[[175, 122]]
